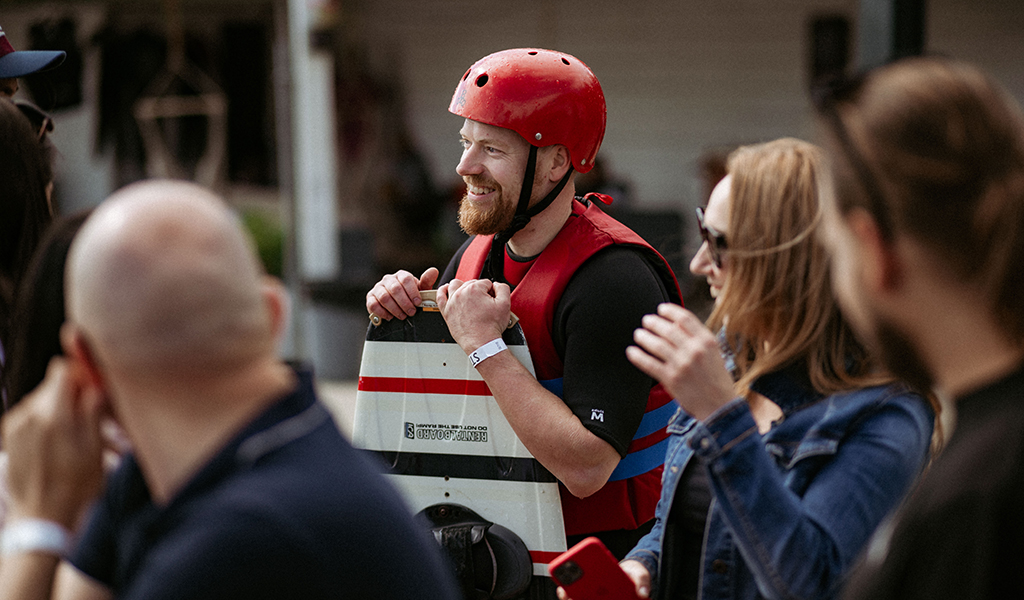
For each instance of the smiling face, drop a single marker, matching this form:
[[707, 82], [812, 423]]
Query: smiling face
[[492, 165], [716, 216]]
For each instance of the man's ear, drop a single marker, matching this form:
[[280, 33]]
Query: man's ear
[[81, 354], [882, 266], [557, 162], [275, 296]]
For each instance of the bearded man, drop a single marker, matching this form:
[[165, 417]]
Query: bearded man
[[579, 281]]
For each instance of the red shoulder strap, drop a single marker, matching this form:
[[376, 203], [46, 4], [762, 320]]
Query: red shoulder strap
[[473, 258]]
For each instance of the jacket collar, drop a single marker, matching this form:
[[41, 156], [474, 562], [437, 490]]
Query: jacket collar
[[789, 387]]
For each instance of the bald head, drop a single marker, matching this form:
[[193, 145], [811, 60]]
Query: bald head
[[162, 279]]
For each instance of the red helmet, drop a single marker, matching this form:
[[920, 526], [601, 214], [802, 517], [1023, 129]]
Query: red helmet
[[545, 96]]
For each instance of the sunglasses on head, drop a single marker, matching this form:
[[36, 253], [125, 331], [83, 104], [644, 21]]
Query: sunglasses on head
[[41, 122], [827, 96], [715, 239]]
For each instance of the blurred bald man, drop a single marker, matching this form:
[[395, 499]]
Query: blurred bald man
[[239, 484]]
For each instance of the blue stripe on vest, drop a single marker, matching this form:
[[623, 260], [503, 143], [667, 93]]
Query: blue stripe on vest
[[553, 385], [656, 419], [640, 462]]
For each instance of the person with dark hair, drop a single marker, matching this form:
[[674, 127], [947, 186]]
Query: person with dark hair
[[35, 326], [787, 453], [39, 312], [14, 64], [42, 125], [925, 221], [25, 211], [239, 483]]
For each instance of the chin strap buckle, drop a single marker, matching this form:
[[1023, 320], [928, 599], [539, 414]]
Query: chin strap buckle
[[602, 198]]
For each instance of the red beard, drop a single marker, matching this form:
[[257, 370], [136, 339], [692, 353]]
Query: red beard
[[495, 218]]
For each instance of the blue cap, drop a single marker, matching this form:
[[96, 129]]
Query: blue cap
[[26, 62]]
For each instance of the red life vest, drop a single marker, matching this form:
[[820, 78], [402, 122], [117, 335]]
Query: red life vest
[[632, 492]]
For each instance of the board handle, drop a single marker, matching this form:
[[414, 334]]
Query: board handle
[[429, 298]]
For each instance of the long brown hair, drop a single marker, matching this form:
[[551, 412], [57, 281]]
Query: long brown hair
[[776, 305], [945, 143]]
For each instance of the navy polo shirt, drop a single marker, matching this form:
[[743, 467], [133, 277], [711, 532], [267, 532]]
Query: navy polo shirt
[[287, 509]]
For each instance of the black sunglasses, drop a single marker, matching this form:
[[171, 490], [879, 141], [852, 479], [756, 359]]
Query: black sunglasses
[[715, 239], [827, 96]]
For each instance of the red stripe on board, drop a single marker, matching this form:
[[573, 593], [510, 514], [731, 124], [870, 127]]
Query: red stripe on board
[[462, 387], [543, 558], [647, 441]]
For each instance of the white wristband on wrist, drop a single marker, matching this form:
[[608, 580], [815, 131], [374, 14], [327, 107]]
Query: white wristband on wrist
[[486, 351], [35, 535]]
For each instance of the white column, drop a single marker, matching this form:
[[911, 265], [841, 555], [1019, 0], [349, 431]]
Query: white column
[[314, 151]]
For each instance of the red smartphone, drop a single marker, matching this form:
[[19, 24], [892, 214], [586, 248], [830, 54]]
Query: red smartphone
[[588, 571]]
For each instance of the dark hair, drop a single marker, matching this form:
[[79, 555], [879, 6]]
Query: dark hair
[[42, 125], [25, 173], [39, 312], [934, 149]]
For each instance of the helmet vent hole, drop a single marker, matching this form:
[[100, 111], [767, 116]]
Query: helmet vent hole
[[565, 61], [481, 81], [532, 53], [466, 76]]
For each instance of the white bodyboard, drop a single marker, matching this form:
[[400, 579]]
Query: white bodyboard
[[425, 410]]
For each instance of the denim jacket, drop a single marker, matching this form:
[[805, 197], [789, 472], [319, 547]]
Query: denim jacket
[[793, 509]]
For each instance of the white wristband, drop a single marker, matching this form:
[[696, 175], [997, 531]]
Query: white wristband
[[487, 350], [35, 535]]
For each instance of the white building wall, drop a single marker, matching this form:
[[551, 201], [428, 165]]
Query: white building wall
[[989, 33], [680, 76]]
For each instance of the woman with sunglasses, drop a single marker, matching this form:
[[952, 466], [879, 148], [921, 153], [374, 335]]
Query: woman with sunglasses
[[782, 464]]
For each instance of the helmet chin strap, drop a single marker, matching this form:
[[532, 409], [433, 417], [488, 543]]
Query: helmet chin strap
[[494, 265]]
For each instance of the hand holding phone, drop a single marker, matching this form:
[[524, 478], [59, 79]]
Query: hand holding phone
[[588, 571]]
